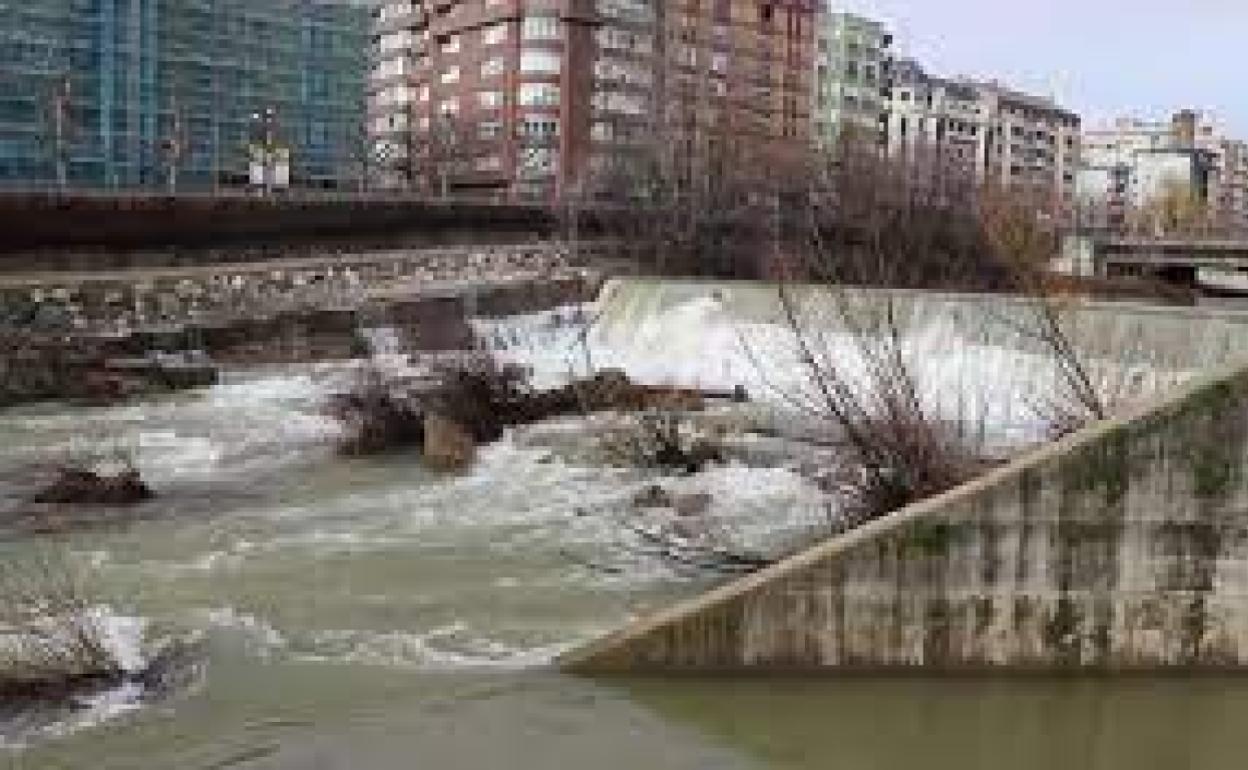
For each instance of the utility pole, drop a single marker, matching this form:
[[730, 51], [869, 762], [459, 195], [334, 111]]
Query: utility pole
[[61, 103], [216, 130]]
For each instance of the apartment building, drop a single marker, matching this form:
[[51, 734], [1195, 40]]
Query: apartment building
[[960, 128], [1233, 187], [1132, 163], [738, 81], [547, 97], [853, 81], [136, 93]]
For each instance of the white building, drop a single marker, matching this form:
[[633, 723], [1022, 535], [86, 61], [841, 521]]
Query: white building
[[1131, 163], [1026, 144]]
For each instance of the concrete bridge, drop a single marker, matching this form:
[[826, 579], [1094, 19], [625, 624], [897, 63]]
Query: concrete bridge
[[1176, 260]]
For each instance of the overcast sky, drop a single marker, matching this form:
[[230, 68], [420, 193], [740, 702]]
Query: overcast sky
[[1101, 57]]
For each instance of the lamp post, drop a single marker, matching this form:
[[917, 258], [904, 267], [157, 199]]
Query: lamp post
[[61, 102], [265, 151]]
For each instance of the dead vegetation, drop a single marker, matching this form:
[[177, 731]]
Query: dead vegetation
[[376, 417], [895, 227], [455, 404], [52, 642]]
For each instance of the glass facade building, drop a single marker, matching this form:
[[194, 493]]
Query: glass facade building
[[134, 93]]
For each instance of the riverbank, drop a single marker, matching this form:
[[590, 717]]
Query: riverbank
[[350, 606]]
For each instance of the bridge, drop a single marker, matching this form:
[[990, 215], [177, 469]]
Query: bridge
[[1176, 260]]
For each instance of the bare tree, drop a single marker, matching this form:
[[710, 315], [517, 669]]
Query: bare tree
[[444, 151]]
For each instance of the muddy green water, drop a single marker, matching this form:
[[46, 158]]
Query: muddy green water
[[267, 715], [368, 614]]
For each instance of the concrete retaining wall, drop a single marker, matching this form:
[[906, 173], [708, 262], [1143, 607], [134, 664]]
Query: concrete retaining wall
[[1123, 547]]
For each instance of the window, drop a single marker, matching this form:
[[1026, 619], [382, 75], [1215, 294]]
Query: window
[[492, 67], [494, 34], [540, 127], [540, 28], [538, 162], [539, 95], [490, 129], [491, 100], [536, 62]]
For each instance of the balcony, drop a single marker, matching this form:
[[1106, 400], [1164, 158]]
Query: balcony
[[413, 18]]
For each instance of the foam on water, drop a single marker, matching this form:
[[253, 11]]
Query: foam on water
[[715, 337], [125, 639], [453, 646]]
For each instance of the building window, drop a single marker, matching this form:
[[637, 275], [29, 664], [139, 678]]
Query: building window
[[493, 67], [491, 100], [540, 127], [540, 28], [494, 34], [539, 95], [538, 62], [490, 129]]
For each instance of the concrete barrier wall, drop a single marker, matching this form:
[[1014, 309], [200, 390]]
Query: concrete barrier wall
[[1122, 547]]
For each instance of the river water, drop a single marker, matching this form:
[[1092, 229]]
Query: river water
[[366, 613]]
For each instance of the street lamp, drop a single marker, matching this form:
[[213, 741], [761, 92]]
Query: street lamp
[[269, 160]]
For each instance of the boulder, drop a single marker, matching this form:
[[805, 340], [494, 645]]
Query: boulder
[[449, 446], [77, 486]]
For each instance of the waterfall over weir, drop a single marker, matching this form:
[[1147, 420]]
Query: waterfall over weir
[[976, 357]]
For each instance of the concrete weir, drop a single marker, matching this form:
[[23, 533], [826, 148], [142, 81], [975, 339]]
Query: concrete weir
[[1123, 547]]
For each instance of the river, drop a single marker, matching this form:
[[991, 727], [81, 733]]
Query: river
[[367, 613]]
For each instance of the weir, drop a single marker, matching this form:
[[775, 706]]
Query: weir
[[1121, 547]]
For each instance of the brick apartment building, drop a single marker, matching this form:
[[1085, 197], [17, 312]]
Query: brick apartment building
[[548, 97]]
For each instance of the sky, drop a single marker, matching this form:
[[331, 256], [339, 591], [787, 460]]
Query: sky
[[1103, 58]]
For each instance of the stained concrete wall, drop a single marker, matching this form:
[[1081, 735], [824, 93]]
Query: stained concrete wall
[[1122, 547]]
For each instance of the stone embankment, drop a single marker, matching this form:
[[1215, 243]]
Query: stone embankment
[[126, 302], [92, 335], [42, 367]]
